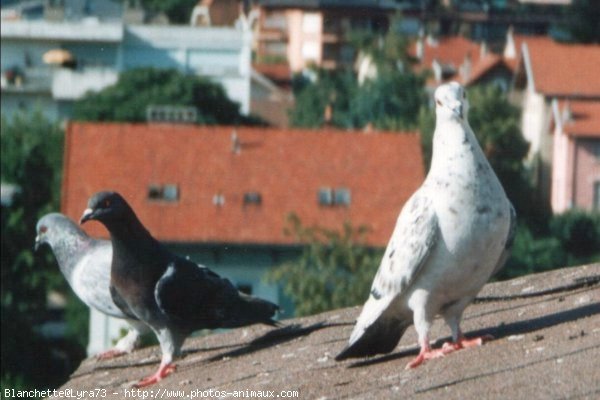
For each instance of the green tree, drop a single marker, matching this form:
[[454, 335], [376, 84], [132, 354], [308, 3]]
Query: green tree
[[583, 21], [579, 233], [335, 269], [391, 101], [136, 89], [31, 158], [178, 11]]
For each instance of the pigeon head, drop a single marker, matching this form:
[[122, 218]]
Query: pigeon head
[[105, 207], [54, 227], [451, 101]]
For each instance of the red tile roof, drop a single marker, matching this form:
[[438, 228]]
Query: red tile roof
[[286, 167], [585, 119], [484, 65], [450, 50], [561, 69]]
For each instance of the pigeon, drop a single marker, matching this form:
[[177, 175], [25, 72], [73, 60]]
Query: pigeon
[[85, 264], [451, 236], [172, 295]]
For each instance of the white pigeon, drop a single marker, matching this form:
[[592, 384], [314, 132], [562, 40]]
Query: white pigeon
[[451, 236], [85, 263]]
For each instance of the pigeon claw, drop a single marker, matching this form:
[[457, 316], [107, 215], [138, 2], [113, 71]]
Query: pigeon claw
[[424, 355], [107, 355], [162, 372], [463, 343]]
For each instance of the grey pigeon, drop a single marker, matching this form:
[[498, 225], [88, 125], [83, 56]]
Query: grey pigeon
[[172, 295], [451, 236], [85, 264]]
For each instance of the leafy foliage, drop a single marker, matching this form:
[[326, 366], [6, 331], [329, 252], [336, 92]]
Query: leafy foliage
[[31, 157], [574, 239], [178, 11], [389, 102], [136, 89], [583, 18], [335, 269]]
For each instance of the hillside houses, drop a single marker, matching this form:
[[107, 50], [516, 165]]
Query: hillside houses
[[222, 195], [549, 71]]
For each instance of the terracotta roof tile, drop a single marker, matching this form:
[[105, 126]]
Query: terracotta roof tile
[[450, 50], [585, 118], [287, 168], [564, 69]]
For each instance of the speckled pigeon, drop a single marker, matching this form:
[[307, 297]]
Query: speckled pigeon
[[85, 263], [451, 236], [172, 295]]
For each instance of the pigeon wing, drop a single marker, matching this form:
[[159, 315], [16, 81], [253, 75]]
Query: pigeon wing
[[193, 297], [91, 279], [379, 327], [512, 232]]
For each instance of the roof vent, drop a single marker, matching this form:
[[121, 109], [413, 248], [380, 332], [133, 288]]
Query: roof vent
[[219, 199], [175, 114], [236, 145], [252, 198]]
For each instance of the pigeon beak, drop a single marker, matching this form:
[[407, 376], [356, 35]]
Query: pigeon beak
[[457, 109], [87, 215], [37, 244]]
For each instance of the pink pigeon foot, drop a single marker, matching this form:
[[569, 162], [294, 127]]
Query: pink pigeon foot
[[426, 353], [163, 370], [463, 343], [110, 354]]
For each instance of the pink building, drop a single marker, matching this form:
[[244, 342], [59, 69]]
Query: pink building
[[576, 156]]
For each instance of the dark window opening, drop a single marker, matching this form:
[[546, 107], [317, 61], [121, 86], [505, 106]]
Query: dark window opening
[[252, 198], [168, 192]]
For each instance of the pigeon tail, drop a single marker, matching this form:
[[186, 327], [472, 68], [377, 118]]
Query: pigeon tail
[[255, 310], [379, 338], [378, 330]]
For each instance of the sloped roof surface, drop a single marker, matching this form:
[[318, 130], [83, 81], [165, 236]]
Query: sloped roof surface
[[585, 117], [547, 346], [287, 169], [561, 69]]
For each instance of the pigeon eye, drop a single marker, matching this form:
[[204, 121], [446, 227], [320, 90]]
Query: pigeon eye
[[439, 103], [43, 229], [106, 203]]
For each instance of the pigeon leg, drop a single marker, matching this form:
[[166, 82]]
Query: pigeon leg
[[426, 353], [462, 342], [164, 370]]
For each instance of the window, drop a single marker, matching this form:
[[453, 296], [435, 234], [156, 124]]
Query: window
[[275, 20], [311, 23], [334, 197], [342, 196], [325, 196], [252, 198], [168, 192]]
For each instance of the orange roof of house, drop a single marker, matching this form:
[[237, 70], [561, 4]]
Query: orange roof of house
[[561, 69], [287, 168], [585, 118], [450, 50], [483, 66]]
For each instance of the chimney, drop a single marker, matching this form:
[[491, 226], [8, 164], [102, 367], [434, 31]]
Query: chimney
[[465, 68], [236, 146], [567, 113], [510, 50], [483, 50]]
